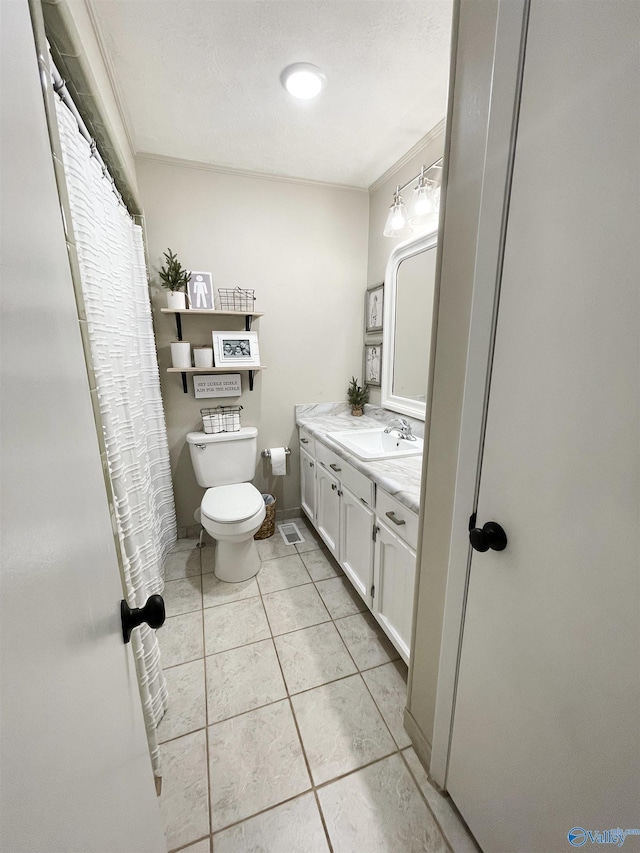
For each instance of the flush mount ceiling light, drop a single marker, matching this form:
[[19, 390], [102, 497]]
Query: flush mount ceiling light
[[303, 80], [424, 208]]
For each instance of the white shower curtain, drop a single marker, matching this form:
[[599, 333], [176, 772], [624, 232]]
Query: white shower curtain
[[118, 312]]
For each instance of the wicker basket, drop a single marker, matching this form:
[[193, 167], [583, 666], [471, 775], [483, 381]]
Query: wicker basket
[[268, 526]]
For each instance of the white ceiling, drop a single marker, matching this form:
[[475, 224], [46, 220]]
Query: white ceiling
[[199, 80]]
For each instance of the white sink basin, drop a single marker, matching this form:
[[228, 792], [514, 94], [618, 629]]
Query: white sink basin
[[376, 444]]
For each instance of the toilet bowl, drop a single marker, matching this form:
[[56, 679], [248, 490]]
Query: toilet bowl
[[232, 515], [232, 509]]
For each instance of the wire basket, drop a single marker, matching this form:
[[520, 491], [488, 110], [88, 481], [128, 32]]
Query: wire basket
[[235, 299], [221, 419], [268, 527]]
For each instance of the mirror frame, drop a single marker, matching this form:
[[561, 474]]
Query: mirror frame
[[407, 249]]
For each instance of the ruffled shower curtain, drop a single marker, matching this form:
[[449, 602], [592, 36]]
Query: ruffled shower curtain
[[118, 314]]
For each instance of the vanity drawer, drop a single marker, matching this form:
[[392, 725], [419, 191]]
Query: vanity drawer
[[398, 518], [361, 486], [307, 441]]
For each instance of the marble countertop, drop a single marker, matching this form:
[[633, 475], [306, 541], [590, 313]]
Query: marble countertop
[[399, 477]]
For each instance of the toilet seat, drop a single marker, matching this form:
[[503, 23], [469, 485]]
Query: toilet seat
[[231, 504]]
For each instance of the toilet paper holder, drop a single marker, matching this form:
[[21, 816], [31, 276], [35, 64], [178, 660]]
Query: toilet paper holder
[[266, 453]]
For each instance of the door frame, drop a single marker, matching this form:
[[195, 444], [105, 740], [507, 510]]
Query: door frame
[[508, 52]]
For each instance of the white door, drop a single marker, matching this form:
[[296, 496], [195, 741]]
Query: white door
[[308, 484], [76, 773], [394, 580], [356, 542], [547, 714], [328, 509]]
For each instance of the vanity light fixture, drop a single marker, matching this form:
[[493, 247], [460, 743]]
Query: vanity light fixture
[[424, 207], [303, 80]]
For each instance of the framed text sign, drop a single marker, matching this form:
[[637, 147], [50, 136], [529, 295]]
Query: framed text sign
[[217, 385]]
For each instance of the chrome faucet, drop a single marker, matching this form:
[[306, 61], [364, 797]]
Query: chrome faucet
[[404, 430]]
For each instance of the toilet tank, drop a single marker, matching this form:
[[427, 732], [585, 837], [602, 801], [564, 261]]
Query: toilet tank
[[223, 458]]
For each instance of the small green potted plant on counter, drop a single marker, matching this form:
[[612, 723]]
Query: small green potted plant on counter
[[357, 396], [174, 278]]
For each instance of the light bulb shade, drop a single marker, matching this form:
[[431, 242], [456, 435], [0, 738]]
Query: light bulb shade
[[303, 80], [422, 201], [397, 220]]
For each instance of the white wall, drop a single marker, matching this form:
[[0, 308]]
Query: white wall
[[303, 247], [381, 198]]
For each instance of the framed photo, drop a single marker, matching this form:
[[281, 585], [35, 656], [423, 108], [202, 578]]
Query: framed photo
[[372, 368], [236, 349], [373, 305], [200, 287]]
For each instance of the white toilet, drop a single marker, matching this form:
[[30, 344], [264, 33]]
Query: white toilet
[[232, 509]]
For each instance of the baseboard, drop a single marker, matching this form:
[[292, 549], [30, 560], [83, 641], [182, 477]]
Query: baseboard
[[420, 743]]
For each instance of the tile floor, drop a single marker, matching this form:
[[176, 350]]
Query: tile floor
[[284, 732]]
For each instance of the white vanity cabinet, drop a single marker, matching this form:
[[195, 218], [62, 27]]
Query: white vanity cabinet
[[370, 533], [328, 509], [308, 484]]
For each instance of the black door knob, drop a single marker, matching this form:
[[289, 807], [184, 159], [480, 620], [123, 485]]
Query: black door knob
[[152, 613], [489, 536]]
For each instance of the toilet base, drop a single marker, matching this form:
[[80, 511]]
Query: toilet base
[[236, 561]]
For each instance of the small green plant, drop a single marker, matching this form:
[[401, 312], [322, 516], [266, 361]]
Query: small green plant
[[357, 395], [172, 275]]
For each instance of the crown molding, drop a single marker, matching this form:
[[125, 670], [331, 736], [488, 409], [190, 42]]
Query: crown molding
[[436, 131], [243, 173]]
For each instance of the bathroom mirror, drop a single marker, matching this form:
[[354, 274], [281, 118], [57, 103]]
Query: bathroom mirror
[[408, 312]]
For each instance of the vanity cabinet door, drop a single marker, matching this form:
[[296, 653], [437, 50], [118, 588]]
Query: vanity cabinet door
[[328, 509], [308, 484], [356, 542], [393, 579]]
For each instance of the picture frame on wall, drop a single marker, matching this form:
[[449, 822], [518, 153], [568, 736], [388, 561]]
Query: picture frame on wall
[[372, 364], [373, 308], [200, 290], [236, 349]]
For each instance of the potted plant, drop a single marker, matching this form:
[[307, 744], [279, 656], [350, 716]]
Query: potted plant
[[174, 278], [357, 396]]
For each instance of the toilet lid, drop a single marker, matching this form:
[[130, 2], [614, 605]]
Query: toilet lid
[[236, 502]]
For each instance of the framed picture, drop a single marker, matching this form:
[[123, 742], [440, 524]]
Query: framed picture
[[372, 368], [200, 287], [236, 349], [373, 305]]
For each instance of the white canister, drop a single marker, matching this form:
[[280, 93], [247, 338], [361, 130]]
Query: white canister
[[176, 300], [181, 354], [203, 356]]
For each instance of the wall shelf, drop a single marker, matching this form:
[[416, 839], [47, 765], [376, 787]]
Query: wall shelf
[[248, 317]]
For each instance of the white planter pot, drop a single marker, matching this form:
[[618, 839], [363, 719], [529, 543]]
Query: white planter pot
[[176, 300], [203, 357], [181, 354]]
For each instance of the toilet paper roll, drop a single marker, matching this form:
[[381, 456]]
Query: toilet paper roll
[[278, 461]]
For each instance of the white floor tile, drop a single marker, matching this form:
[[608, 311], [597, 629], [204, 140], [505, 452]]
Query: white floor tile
[[282, 573], [255, 762], [180, 639], [243, 679], [341, 728], [365, 640], [215, 592], [379, 810], [388, 686], [452, 825], [236, 624], [183, 596], [340, 597], [294, 827], [186, 711], [203, 846], [292, 609], [184, 805], [183, 562], [320, 564], [274, 546], [313, 656]]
